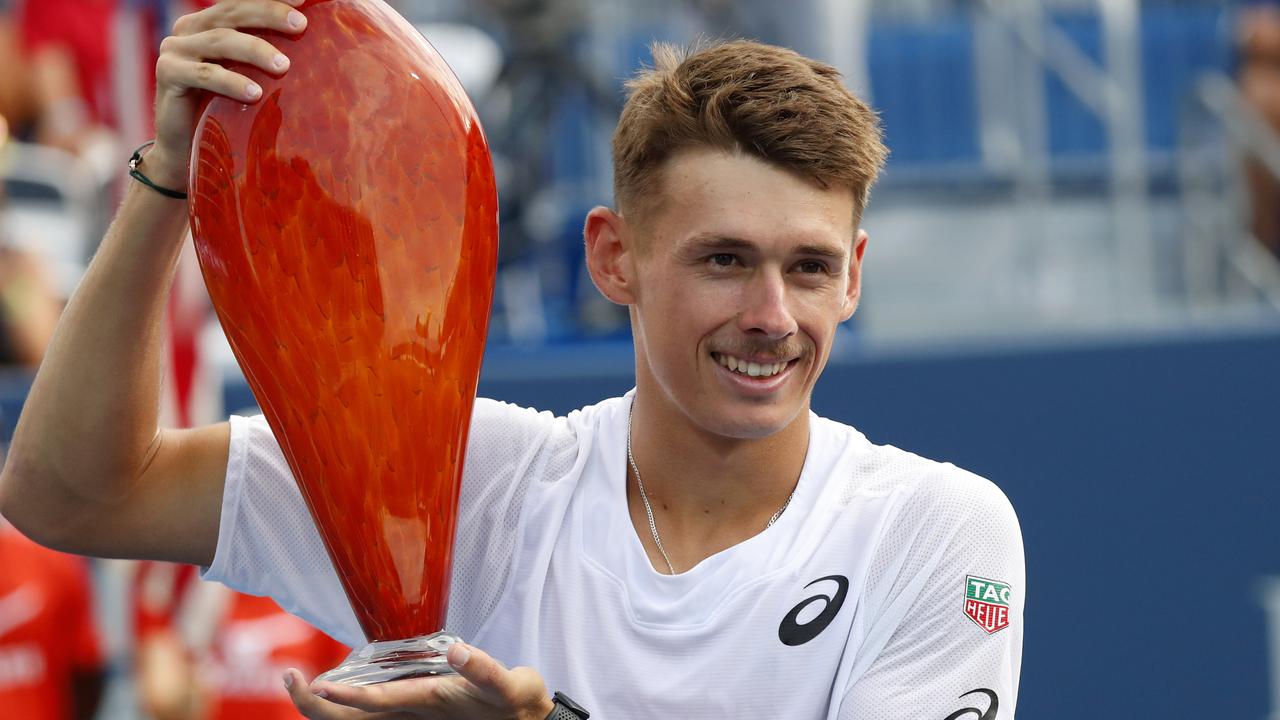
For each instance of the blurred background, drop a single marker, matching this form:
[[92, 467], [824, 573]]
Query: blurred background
[[1072, 288]]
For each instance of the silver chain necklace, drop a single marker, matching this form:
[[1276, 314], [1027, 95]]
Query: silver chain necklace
[[648, 509]]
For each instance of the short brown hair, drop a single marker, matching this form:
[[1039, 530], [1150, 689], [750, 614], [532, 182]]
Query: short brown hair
[[745, 96]]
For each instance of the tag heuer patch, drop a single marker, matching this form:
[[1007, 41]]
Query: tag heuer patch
[[986, 602]]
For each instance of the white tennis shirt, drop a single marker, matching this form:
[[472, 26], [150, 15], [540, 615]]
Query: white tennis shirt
[[891, 588]]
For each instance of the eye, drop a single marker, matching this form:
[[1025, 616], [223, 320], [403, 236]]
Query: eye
[[723, 260], [812, 266]]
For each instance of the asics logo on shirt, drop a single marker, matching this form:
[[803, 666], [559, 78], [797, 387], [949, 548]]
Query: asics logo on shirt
[[792, 632], [993, 707]]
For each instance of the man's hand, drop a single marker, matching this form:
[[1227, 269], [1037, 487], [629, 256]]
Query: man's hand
[[194, 58], [483, 689]]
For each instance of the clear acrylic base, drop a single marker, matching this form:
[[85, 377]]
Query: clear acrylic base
[[380, 662]]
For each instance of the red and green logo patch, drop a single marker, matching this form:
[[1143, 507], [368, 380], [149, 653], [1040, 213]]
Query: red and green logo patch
[[986, 602]]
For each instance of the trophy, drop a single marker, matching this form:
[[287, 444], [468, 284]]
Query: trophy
[[346, 226]]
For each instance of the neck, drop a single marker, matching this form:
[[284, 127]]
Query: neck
[[708, 492]]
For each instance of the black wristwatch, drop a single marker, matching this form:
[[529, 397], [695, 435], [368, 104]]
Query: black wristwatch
[[566, 709]]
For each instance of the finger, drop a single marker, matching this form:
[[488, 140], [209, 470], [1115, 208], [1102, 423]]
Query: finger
[[227, 44], [416, 694], [520, 687], [316, 707], [310, 705], [480, 674], [477, 666], [185, 74], [255, 14]]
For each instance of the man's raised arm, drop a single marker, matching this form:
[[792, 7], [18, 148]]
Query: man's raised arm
[[89, 470]]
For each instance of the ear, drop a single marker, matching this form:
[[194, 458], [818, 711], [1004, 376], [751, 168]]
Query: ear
[[609, 255], [854, 291]]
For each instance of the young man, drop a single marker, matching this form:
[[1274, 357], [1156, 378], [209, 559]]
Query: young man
[[704, 547]]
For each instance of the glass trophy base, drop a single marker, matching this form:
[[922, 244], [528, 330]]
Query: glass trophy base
[[379, 662]]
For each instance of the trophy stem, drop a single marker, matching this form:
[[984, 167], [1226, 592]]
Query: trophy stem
[[387, 660]]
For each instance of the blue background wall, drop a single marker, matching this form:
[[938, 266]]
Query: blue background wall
[[1144, 473]]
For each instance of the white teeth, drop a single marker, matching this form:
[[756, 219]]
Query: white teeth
[[750, 369]]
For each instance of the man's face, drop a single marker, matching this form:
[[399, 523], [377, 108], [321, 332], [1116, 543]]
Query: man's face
[[742, 273]]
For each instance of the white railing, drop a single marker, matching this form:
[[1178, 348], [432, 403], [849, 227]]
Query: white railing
[[1112, 90]]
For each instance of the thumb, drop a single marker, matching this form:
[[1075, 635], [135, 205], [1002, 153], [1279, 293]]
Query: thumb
[[522, 689], [477, 667]]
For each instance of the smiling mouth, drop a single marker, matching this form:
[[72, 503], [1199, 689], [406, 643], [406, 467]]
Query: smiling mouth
[[749, 368]]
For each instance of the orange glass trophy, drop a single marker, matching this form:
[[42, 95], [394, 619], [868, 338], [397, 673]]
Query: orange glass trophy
[[346, 225]]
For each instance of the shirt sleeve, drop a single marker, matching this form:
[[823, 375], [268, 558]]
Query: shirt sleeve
[[269, 545], [944, 604], [508, 447], [267, 542]]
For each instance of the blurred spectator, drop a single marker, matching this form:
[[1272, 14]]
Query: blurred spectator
[[207, 653], [13, 94], [55, 70], [50, 663], [29, 307], [1258, 41]]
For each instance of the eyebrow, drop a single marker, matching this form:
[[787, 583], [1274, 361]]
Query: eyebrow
[[704, 242]]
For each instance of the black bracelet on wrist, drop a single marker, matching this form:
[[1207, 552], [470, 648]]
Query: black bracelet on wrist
[[136, 174]]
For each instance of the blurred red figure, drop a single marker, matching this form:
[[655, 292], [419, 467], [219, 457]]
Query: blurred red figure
[[207, 653], [50, 661], [67, 52]]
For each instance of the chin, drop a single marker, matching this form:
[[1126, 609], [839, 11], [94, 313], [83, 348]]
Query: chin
[[753, 423]]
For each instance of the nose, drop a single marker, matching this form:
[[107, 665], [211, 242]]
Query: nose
[[764, 307]]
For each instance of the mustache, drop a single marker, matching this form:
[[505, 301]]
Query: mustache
[[771, 351]]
